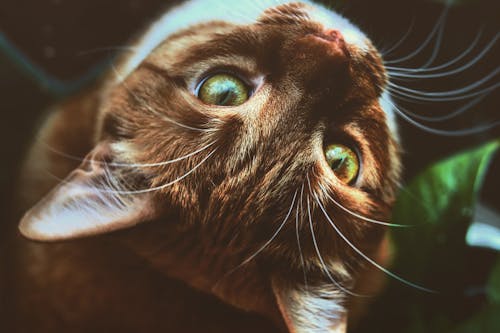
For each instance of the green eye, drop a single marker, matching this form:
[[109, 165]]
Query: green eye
[[343, 161], [223, 90]]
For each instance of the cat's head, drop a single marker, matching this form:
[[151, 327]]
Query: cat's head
[[241, 123]]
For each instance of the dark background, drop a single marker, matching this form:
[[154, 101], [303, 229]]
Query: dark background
[[54, 47]]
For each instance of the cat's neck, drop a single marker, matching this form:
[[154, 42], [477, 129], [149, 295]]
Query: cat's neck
[[187, 256]]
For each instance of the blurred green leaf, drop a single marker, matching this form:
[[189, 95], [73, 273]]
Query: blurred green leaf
[[439, 203]]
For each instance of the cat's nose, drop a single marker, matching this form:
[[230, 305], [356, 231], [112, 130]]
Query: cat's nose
[[334, 41], [327, 42], [320, 60], [331, 35]]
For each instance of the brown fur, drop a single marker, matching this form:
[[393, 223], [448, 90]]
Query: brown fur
[[267, 150]]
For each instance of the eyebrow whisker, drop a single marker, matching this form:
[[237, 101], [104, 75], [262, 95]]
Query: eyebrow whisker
[[361, 217], [298, 236]]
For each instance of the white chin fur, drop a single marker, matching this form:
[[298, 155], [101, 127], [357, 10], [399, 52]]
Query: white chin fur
[[387, 105]]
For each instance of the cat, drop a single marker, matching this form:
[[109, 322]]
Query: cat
[[253, 150]]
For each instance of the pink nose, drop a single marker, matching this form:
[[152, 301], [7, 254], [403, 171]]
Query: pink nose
[[332, 35], [330, 43]]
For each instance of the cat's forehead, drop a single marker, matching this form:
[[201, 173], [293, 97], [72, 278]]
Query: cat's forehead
[[241, 12]]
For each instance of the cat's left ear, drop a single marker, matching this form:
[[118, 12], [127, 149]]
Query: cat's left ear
[[91, 200], [312, 308]]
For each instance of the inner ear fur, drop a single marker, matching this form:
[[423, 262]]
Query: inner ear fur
[[95, 198], [312, 308]]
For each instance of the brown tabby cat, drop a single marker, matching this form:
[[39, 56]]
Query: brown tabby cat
[[251, 143]]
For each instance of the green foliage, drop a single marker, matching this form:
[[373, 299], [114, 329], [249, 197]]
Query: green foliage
[[439, 204]]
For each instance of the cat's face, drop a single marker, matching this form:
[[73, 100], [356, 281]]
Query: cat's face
[[307, 88], [237, 169], [231, 128]]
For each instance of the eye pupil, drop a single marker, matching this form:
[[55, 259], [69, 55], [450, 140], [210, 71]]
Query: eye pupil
[[223, 90], [343, 161], [224, 98], [337, 163]]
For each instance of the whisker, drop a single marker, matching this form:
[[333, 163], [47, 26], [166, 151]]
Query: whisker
[[383, 269], [401, 40], [129, 165], [320, 257], [246, 261], [398, 93], [437, 45], [450, 62], [404, 72], [119, 77], [450, 115], [112, 181], [115, 181], [170, 120], [157, 188], [364, 218], [438, 24], [469, 131], [298, 236], [455, 91], [275, 233]]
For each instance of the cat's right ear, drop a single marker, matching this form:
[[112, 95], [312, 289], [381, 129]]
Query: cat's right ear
[[95, 198]]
